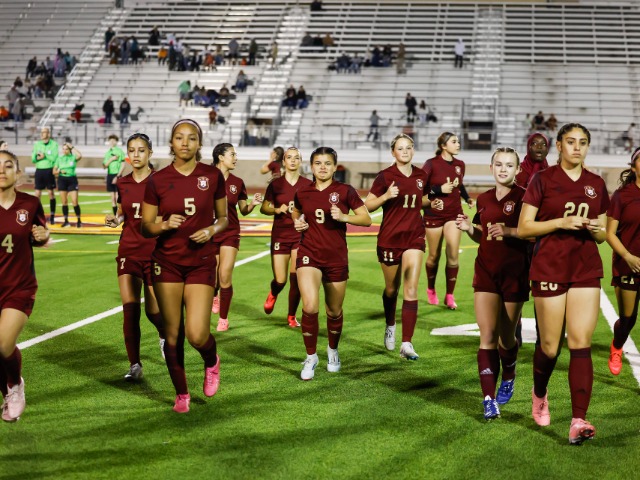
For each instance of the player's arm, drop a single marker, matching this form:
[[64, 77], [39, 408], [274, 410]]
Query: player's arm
[[111, 220], [435, 204], [40, 235], [372, 202], [618, 247], [264, 169], [597, 228], [299, 222], [360, 216], [247, 208], [465, 196], [464, 224], [529, 227], [151, 228]]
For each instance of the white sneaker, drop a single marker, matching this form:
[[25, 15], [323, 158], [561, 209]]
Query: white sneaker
[[390, 337], [14, 403], [309, 367], [407, 351], [134, 373], [161, 342], [333, 360]]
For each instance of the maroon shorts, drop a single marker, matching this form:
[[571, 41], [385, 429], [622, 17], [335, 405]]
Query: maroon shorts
[[204, 274], [233, 241], [549, 289], [627, 282], [512, 288], [393, 256], [136, 267], [331, 274], [283, 248], [18, 299]]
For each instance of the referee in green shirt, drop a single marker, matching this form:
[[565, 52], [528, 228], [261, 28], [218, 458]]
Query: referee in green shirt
[[45, 154], [65, 169], [113, 162]]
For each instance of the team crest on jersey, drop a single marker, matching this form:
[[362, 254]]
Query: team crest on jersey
[[509, 207], [590, 191], [22, 217], [334, 198], [203, 183], [458, 170], [233, 189], [420, 183]]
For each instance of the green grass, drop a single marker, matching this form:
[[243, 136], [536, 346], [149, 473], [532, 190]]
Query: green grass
[[379, 417]]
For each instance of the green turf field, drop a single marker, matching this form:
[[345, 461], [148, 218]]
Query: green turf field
[[379, 417]]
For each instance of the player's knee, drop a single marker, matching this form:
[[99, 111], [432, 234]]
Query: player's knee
[[6, 347]]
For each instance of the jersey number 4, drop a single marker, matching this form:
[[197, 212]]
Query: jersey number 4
[[8, 243]]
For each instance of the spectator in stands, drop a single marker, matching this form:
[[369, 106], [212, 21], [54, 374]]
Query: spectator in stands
[[376, 57], [134, 49], [125, 110], [4, 113], [212, 98], [194, 60], [219, 56], [12, 96], [17, 112], [356, 63], [307, 40], [374, 123], [290, 98], [552, 123], [154, 37], [316, 6], [108, 36], [31, 67], [184, 92], [273, 54], [76, 113], [459, 51], [125, 50], [225, 96], [317, 42], [400, 59], [327, 42], [108, 109], [199, 96], [49, 65], [241, 82], [114, 51], [343, 63], [387, 54], [411, 103], [538, 121], [630, 137], [163, 53], [303, 102], [213, 117], [253, 51], [234, 49]]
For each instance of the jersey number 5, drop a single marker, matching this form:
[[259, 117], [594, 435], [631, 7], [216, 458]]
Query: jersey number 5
[[189, 206], [8, 243]]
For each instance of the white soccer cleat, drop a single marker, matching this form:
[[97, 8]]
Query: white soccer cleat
[[333, 360], [390, 337], [407, 351], [309, 367]]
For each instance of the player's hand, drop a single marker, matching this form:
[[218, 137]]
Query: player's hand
[[114, 181], [462, 222], [173, 222], [447, 187], [40, 156], [497, 230], [39, 233], [392, 191], [336, 214], [110, 220], [201, 236], [257, 199], [471, 203], [594, 225], [284, 208], [300, 224], [437, 204], [573, 222], [633, 262]]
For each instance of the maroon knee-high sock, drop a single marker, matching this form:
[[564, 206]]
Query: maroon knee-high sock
[[334, 329], [508, 358], [175, 365], [3, 379], [542, 369], [409, 318], [208, 352], [432, 273], [488, 369], [13, 367], [452, 277], [131, 330], [156, 320], [622, 329], [294, 294], [389, 304], [580, 380], [276, 287], [309, 329], [225, 301]]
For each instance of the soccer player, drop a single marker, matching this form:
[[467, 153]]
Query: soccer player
[[500, 281], [401, 190], [565, 209], [321, 212], [65, 169], [188, 195], [45, 153], [133, 262], [113, 161], [278, 201], [22, 225], [274, 164], [623, 234], [227, 243], [445, 174], [535, 159]]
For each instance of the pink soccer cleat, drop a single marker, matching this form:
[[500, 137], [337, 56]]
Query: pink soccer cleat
[[432, 297], [215, 306], [14, 403], [293, 321], [540, 410], [212, 379], [223, 325], [450, 302], [269, 303], [182, 403], [580, 431], [615, 360]]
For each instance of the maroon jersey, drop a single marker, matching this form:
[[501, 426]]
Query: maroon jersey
[[130, 198], [281, 192], [325, 240], [16, 252], [275, 168], [193, 196], [235, 191], [402, 216], [625, 208], [501, 255], [440, 171], [566, 256]]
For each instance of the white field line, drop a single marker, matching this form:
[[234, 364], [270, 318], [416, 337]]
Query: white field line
[[108, 313]]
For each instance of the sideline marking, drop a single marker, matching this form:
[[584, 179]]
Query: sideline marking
[[108, 313]]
